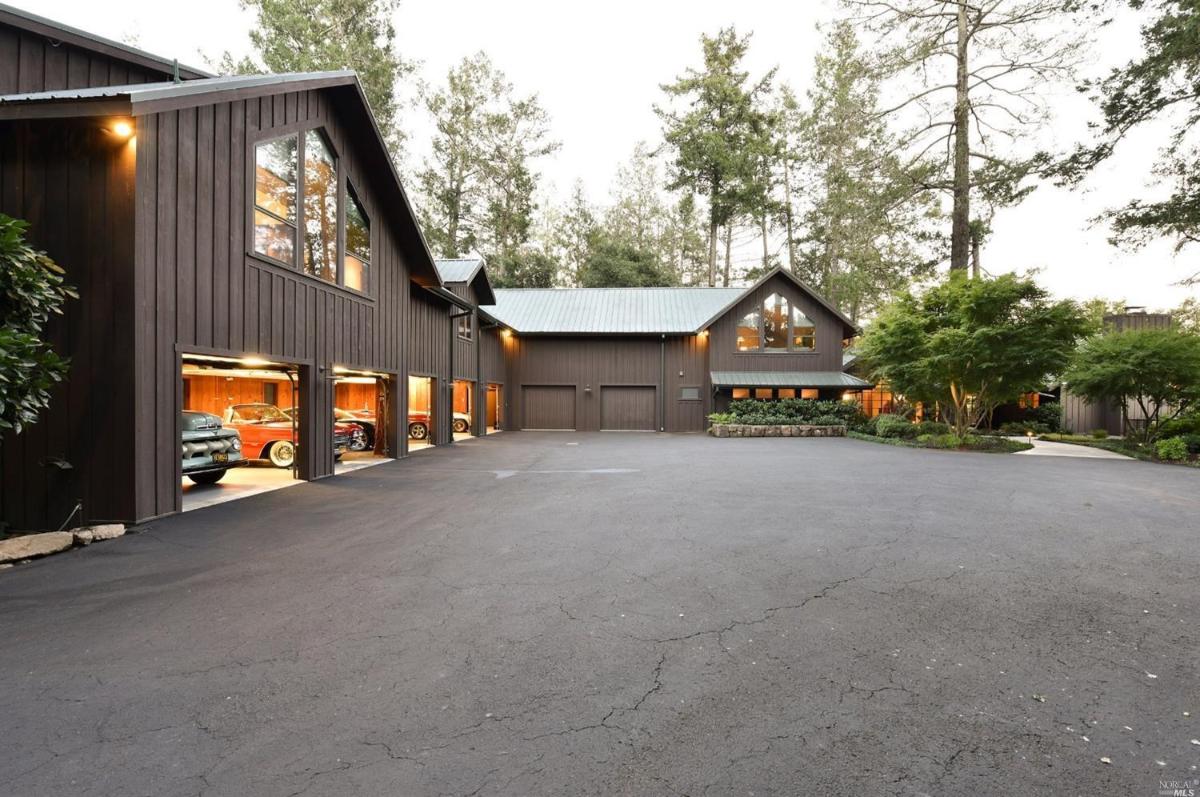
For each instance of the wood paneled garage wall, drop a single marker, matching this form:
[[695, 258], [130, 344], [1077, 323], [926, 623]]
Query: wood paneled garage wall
[[591, 363]]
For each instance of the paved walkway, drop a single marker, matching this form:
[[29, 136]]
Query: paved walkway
[[1048, 448]]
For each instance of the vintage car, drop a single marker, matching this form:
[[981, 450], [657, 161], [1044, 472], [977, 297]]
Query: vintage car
[[359, 430], [419, 424], [267, 433], [208, 449]]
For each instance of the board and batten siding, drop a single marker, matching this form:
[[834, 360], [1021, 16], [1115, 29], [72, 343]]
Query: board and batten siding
[[32, 62], [830, 331], [429, 353], [199, 290], [73, 184]]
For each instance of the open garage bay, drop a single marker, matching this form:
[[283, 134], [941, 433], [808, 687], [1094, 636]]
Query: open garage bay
[[625, 614]]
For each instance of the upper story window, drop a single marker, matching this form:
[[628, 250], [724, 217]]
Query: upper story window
[[464, 327], [275, 199], [300, 190], [320, 208], [356, 267], [776, 327]]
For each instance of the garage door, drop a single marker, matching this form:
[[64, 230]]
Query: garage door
[[549, 406], [627, 409]]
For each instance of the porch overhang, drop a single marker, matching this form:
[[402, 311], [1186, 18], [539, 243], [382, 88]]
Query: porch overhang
[[801, 379]]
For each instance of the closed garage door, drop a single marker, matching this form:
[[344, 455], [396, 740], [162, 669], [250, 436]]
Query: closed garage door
[[549, 406], [627, 409]]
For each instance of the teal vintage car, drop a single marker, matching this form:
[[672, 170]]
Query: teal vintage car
[[208, 448]]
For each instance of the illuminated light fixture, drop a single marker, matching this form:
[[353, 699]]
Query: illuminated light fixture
[[122, 129], [506, 333], [704, 334], [252, 361]]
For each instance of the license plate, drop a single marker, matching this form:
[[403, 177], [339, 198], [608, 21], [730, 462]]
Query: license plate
[[221, 457]]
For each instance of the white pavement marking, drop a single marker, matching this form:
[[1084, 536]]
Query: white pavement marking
[[1049, 448], [504, 474]]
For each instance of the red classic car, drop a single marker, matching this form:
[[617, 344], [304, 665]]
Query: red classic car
[[267, 433]]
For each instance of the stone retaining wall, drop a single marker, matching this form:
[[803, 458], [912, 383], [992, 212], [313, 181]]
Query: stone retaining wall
[[748, 430]]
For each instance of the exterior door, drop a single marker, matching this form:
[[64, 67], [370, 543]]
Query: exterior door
[[627, 409], [549, 406]]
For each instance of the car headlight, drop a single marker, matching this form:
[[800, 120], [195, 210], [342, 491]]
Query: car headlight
[[236, 445]]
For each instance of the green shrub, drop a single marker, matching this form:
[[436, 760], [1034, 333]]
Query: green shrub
[[1192, 441], [720, 417], [1022, 427], [933, 427], [1173, 449], [795, 412], [1186, 424], [895, 426], [1100, 434]]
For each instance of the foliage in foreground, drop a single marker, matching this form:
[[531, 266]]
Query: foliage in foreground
[[1156, 369], [31, 290], [970, 345], [1178, 450], [990, 444]]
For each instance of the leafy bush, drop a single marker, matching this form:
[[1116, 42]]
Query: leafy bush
[[720, 417], [31, 291], [1100, 434], [1192, 441], [1022, 427], [933, 427], [895, 426], [1186, 424], [1173, 449], [793, 412]]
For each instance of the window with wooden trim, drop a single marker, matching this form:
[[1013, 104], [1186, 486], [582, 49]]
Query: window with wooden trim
[[320, 208], [776, 327], [356, 265], [306, 215], [465, 328], [275, 180], [689, 394]]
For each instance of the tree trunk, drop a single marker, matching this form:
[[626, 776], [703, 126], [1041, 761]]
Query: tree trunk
[[975, 268], [728, 253], [787, 198], [960, 229], [762, 221], [712, 247]]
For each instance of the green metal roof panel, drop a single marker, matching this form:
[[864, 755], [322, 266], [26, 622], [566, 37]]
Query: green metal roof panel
[[829, 379], [611, 311]]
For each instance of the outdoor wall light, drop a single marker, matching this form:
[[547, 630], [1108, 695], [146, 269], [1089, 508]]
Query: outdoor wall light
[[122, 129]]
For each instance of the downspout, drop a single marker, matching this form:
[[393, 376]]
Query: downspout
[[449, 424], [662, 384], [476, 427]]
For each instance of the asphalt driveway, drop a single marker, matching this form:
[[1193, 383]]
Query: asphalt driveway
[[626, 614]]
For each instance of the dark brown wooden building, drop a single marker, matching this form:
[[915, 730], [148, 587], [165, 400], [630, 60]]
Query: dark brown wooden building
[[662, 359], [243, 220]]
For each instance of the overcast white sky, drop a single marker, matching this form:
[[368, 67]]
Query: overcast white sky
[[597, 68]]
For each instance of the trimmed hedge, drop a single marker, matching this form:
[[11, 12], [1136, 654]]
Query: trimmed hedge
[[791, 412]]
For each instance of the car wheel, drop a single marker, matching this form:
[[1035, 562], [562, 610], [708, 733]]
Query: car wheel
[[358, 439], [282, 454], [460, 425], [418, 431], [210, 477]]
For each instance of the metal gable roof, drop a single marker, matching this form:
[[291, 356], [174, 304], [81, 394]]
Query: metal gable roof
[[613, 311], [458, 269], [831, 379]]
